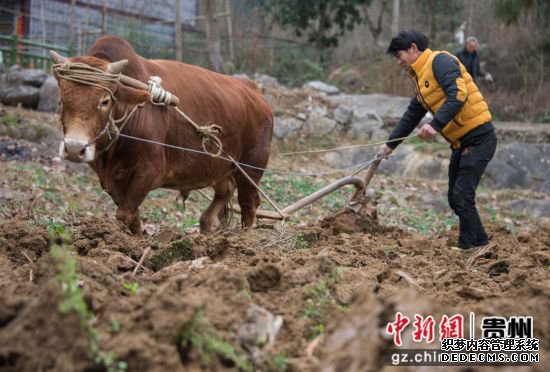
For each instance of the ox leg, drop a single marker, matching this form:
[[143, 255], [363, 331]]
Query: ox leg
[[248, 196], [131, 199], [257, 156], [210, 219], [130, 219]]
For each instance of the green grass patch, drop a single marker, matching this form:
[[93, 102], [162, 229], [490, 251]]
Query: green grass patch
[[427, 146], [320, 304], [278, 363], [199, 335], [287, 189], [131, 287], [73, 298], [301, 242], [10, 120], [179, 250], [425, 222]]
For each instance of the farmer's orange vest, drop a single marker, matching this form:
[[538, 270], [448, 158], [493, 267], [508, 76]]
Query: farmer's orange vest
[[475, 111]]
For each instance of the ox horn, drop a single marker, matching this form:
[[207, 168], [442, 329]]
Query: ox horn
[[56, 58], [117, 67]]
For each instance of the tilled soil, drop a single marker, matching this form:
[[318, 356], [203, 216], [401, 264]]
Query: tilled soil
[[299, 297], [344, 285]]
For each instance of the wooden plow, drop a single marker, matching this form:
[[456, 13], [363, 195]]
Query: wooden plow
[[355, 203]]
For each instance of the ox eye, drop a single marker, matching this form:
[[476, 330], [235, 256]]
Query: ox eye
[[105, 102]]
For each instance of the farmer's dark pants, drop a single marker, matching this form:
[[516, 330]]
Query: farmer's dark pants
[[465, 170]]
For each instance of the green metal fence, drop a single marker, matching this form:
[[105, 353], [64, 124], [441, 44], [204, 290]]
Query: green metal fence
[[28, 53]]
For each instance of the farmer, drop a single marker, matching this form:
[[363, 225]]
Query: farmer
[[470, 59], [460, 115]]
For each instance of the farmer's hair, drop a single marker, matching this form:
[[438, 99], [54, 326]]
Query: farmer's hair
[[472, 38], [405, 39]]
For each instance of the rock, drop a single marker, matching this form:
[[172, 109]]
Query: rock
[[319, 110], [380, 134], [434, 202], [241, 76], [14, 94], [522, 132], [532, 207], [406, 162], [364, 125], [520, 165], [257, 334], [198, 263], [343, 115], [384, 105], [286, 127], [321, 87], [49, 95], [318, 125], [26, 76], [264, 81], [20, 86], [349, 79]]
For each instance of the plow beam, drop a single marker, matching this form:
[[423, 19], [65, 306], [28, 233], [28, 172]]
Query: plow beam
[[349, 180]]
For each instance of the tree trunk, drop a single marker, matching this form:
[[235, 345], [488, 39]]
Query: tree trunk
[[213, 36], [395, 18]]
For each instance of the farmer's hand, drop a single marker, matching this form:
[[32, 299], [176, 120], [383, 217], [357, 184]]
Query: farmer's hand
[[385, 150], [427, 132]]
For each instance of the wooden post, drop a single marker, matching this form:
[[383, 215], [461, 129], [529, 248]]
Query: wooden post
[[14, 43], [229, 31], [72, 23], [86, 28], [43, 21], [213, 36], [104, 17], [177, 25], [395, 18]]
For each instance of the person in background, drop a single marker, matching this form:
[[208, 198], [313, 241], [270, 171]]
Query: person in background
[[460, 115], [470, 59]]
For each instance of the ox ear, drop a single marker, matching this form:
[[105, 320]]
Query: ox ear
[[131, 95]]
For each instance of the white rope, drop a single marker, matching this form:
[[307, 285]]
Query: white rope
[[278, 171], [347, 147], [159, 95]]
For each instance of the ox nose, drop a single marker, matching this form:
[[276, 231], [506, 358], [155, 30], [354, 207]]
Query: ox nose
[[76, 150]]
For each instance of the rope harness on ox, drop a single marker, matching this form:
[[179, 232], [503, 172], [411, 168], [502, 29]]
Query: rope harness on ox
[[82, 73]]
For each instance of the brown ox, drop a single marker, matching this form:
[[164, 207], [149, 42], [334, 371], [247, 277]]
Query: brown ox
[[129, 169]]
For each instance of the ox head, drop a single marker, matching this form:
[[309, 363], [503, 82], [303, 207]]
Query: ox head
[[86, 109]]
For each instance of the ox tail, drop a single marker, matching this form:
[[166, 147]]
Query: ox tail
[[227, 214]]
